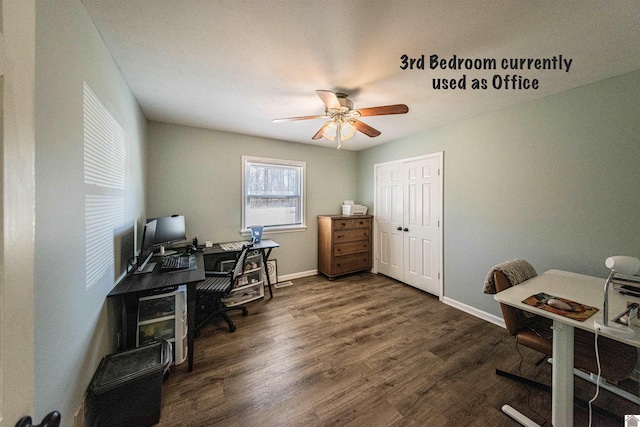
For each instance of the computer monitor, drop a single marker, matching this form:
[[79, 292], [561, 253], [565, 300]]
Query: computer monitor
[[169, 229], [146, 248], [148, 243]]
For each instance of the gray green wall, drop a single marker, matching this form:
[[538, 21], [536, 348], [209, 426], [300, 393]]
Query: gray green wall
[[553, 181], [72, 323], [198, 173]]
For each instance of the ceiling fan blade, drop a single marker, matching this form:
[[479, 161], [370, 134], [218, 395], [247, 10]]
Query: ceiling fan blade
[[366, 129], [320, 134], [291, 119], [382, 111], [329, 98]]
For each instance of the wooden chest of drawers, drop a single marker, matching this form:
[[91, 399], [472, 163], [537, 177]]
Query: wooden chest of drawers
[[344, 244]]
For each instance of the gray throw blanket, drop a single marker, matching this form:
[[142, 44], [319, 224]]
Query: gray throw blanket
[[517, 271]]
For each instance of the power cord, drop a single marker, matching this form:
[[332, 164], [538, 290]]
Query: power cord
[[133, 261], [598, 377]]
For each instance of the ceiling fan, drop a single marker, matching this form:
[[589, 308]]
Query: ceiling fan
[[343, 117]]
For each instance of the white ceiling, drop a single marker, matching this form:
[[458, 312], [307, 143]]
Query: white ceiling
[[236, 65]]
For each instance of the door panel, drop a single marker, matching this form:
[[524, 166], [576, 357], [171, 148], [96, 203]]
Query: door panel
[[388, 218], [383, 251], [411, 257], [396, 254], [421, 219], [413, 204], [427, 270], [426, 207]]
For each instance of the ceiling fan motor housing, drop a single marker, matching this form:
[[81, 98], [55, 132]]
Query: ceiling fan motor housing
[[346, 103]]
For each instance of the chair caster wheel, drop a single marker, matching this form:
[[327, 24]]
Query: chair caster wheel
[[232, 328], [245, 312]]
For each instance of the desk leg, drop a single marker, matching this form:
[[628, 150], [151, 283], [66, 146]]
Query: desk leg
[[191, 321], [129, 320], [265, 257], [562, 375]]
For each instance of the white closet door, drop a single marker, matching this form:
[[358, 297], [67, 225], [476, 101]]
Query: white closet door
[[408, 223], [421, 225], [389, 220]]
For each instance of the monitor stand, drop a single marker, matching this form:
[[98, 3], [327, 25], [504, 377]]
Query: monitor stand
[[146, 269], [164, 252], [145, 266]]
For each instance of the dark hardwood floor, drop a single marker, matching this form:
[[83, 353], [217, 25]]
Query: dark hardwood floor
[[363, 350]]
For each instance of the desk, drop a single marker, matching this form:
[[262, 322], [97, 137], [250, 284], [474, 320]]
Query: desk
[[133, 286], [580, 288], [264, 246]]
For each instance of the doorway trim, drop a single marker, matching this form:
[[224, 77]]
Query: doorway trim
[[17, 209], [376, 249]]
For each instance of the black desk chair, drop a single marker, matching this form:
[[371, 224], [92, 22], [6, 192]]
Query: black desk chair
[[213, 289]]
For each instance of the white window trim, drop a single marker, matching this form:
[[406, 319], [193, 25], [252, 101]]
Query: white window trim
[[303, 197]]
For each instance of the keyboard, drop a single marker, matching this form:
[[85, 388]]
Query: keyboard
[[233, 246], [177, 263]]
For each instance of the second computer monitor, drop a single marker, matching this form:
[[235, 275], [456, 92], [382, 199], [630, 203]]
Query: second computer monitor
[[169, 229]]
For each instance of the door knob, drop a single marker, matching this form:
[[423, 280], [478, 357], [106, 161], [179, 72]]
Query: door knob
[[405, 229], [399, 228]]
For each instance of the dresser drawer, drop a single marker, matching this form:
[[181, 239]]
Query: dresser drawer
[[350, 263], [342, 224], [349, 223], [342, 249], [351, 235]]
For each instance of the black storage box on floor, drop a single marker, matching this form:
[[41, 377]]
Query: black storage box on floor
[[126, 389]]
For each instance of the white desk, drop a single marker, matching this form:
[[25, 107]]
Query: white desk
[[580, 288]]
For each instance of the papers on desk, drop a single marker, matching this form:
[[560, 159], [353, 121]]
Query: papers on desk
[[579, 312], [627, 290], [627, 285]]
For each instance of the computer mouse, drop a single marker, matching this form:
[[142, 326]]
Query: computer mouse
[[560, 305]]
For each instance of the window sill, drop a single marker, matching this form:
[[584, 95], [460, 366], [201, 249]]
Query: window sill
[[275, 230]]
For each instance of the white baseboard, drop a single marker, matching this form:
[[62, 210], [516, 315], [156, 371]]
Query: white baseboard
[[475, 312], [283, 284], [286, 277]]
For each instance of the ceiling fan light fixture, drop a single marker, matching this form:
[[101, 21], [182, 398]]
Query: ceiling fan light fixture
[[347, 130]]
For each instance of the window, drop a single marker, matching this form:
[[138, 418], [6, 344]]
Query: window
[[273, 194]]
